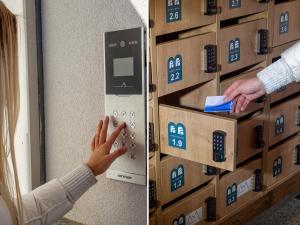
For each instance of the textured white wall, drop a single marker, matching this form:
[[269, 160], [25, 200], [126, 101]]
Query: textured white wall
[[74, 102]]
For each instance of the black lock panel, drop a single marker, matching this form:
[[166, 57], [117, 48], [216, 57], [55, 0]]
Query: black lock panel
[[152, 201], [263, 39], [258, 182], [219, 138], [210, 7], [211, 205], [210, 55], [259, 131]]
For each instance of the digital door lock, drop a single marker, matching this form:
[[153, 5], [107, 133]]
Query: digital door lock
[[125, 101]]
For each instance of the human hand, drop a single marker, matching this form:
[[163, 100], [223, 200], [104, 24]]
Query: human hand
[[244, 91], [101, 158]]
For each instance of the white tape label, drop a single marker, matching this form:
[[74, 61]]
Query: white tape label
[[194, 217], [244, 187]]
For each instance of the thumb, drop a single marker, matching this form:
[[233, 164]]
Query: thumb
[[113, 156]]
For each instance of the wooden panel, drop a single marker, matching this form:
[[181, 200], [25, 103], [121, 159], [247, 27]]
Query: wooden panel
[[188, 205], [152, 220], [237, 177], [247, 138], [246, 7], [247, 34], [196, 97], [285, 151], [193, 176], [152, 172], [199, 131], [289, 111], [191, 52], [253, 106], [192, 15], [293, 32]]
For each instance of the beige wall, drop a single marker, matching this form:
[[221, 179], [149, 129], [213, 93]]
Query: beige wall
[[74, 101]]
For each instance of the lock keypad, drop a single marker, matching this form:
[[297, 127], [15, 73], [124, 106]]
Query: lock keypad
[[128, 135]]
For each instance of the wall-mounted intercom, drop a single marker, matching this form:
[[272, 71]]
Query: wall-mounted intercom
[[125, 101]]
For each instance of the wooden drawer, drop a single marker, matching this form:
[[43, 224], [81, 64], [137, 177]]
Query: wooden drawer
[[188, 134], [237, 188], [238, 48], [179, 176], [284, 120], [254, 105], [236, 8], [190, 210], [181, 16], [289, 89], [282, 160], [180, 63], [286, 22]]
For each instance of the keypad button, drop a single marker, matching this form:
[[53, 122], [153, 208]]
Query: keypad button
[[132, 125], [124, 134], [115, 113], [132, 146], [116, 144], [124, 114], [132, 136], [132, 115]]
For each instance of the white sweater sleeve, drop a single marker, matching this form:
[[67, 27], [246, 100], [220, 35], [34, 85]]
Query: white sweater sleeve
[[48, 203], [284, 71]]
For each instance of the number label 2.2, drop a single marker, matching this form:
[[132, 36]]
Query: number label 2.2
[[177, 135], [174, 69]]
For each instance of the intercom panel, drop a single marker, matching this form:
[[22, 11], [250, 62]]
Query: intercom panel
[[125, 101]]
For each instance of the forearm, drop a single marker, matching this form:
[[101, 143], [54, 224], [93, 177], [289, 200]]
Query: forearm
[[284, 71], [51, 201]]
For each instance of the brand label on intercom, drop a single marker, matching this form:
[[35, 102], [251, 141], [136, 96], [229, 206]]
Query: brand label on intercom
[[173, 10], [231, 194], [244, 187], [177, 135], [179, 221], [194, 217], [234, 50], [174, 69], [177, 178], [277, 166], [284, 23], [234, 4]]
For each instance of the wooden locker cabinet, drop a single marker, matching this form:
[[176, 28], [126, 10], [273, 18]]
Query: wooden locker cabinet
[[189, 53], [286, 22], [254, 105], [179, 176], [282, 160], [190, 210], [284, 120], [236, 188], [238, 48], [188, 134], [174, 18], [231, 9]]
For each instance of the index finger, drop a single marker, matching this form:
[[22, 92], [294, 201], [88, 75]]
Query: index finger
[[115, 135], [231, 92]]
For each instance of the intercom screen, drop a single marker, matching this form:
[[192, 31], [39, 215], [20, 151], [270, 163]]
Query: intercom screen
[[123, 67]]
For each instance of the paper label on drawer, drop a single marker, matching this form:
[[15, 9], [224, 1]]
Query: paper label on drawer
[[234, 4], [284, 23], [245, 187], [234, 50], [194, 217], [174, 69], [173, 10], [177, 178], [179, 221], [177, 135]]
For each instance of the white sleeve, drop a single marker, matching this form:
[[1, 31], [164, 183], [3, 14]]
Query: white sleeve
[[50, 202], [284, 71]]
